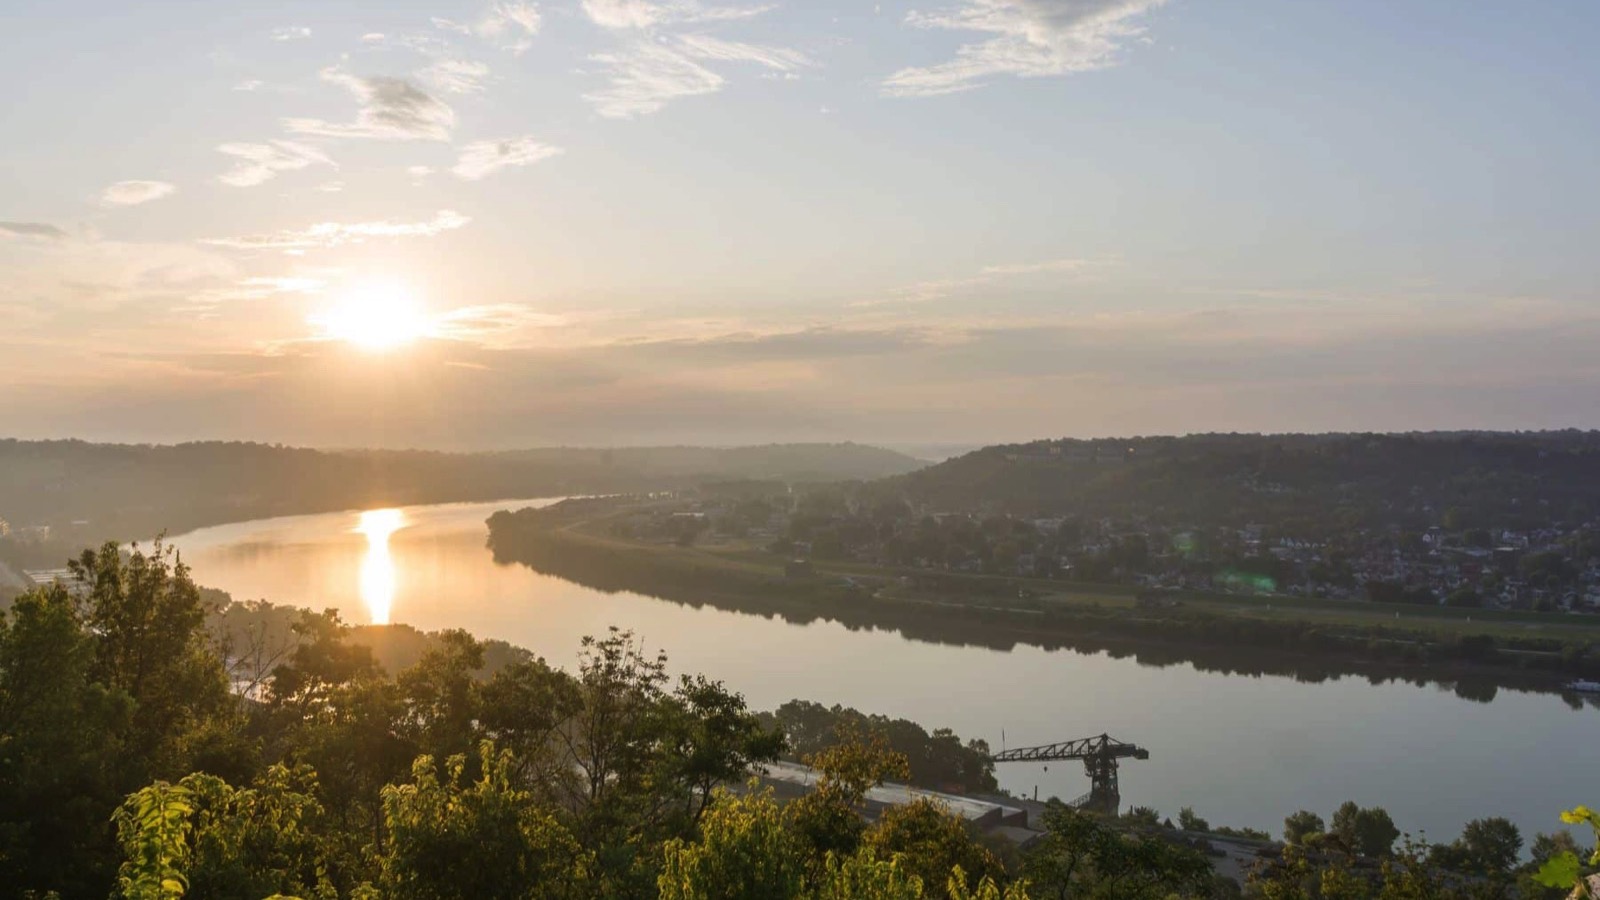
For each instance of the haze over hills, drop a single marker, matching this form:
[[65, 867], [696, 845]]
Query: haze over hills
[[125, 491]]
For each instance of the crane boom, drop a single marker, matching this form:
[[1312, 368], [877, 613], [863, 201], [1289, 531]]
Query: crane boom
[[1099, 755]]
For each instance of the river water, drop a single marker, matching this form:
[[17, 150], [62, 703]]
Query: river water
[[1241, 750]]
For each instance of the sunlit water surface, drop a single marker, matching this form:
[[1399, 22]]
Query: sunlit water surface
[[1241, 750]]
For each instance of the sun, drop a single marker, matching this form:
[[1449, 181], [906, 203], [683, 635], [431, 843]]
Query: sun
[[375, 316]]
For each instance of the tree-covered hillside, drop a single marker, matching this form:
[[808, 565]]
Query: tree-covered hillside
[[125, 490], [1302, 484]]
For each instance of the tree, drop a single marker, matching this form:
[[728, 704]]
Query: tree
[[441, 695], [712, 739], [147, 620], [1188, 821], [1320, 867], [512, 848], [1298, 826], [933, 842], [522, 708], [1079, 856], [60, 736], [1488, 848], [828, 820], [1367, 831], [206, 838], [744, 852]]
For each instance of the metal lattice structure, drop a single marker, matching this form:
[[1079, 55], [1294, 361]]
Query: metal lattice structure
[[1099, 755]]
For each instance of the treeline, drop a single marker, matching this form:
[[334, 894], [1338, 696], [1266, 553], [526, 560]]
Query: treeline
[[1308, 486], [129, 768], [140, 490], [1476, 663], [939, 761]]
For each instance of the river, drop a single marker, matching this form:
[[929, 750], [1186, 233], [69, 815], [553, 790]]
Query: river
[[1241, 750]]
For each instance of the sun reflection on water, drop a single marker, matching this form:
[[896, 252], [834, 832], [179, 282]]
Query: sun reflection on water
[[377, 567]]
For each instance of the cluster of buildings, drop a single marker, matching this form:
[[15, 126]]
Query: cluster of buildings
[[1546, 569]]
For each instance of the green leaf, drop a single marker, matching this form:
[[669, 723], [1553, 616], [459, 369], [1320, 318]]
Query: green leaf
[[1559, 871]]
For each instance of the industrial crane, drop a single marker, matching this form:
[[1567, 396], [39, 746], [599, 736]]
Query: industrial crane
[[1099, 755]]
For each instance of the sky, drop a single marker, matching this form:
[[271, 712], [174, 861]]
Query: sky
[[459, 224]]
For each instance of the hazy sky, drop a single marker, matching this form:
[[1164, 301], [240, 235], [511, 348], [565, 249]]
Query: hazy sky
[[641, 221]]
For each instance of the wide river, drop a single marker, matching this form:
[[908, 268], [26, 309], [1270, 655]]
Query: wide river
[[1241, 750]]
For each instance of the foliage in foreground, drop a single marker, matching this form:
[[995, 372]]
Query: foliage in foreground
[[126, 766]]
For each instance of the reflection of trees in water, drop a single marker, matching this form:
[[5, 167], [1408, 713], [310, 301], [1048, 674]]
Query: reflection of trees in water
[[1305, 652]]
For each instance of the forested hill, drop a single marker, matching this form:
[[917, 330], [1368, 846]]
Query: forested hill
[[1307, 483], [128, 491]]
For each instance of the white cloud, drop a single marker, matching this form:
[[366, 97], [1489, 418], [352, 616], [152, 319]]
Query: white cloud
[[391, 109], [293, 33], [508, 25], [324, 235], [1031, 38], [257, 163], [780, 58], [133, 193], [330, 187], [483, 158], [419, 171], [650, 13], [458, 76], [648, 74], [645, 77], [372, 37], [252, 84]]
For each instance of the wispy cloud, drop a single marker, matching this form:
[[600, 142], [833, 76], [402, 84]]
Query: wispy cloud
[[324, 235], [457, 76], [783, 59], [291, 33], [258, 163], [250, 84], [650, 13], [645, 77], [1031, 38], [32, 230], [391, 109], [508, 25], [480, 159], [133, 193], [648, 74]]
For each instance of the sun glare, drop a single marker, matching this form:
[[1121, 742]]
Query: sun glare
[[377, 566], [375, 317]]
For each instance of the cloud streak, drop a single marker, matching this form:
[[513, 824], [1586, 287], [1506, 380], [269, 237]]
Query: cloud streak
[[133, 193], [326, 235], [1030, 39], [392, 109], [623, 14], [32, 230], [481, 159], [648, 74], [258, 163]]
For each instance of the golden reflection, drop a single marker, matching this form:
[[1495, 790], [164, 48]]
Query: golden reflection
[[377, 567]]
